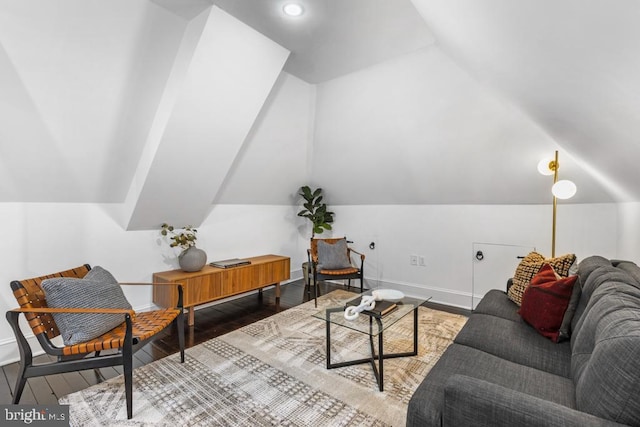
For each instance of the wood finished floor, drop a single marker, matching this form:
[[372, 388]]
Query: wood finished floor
[[210, 322]]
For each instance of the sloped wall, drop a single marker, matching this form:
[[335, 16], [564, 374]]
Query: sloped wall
[[419, 130], [222, 76]]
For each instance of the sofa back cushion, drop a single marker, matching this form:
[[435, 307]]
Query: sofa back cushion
[[605, 361], [590, 283], [588, 265], [631, 269]]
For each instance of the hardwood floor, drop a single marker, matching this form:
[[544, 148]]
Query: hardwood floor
[[210, 322]]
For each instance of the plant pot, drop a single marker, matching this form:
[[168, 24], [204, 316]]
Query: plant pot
[[306, 273], [192, 259]]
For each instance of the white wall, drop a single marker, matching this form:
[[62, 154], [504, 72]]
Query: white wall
[[444, 235], [629, 231]]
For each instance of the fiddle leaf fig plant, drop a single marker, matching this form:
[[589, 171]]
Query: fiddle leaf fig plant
[[315, 210]]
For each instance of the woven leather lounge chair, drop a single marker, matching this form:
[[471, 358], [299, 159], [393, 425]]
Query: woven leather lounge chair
[[118, 344], [330, 259]]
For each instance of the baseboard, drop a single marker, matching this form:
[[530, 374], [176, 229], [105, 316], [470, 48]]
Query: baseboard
[[437, 294], [433, 293], [9, 349]]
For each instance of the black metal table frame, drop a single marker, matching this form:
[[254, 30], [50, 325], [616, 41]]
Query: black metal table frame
[[378, 371]]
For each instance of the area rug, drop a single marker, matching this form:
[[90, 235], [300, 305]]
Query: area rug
[[273, 373]]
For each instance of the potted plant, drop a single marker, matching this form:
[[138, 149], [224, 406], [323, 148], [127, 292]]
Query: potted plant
[[191, 258], [315, 210], [321, 219]]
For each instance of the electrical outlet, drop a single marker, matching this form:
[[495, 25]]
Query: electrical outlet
[[413, 259], [421, 261]]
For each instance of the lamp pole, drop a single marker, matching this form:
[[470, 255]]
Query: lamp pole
[[554, 167]]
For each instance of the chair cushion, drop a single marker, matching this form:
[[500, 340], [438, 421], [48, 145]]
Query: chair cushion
[[341, 272], [545, 301], [100, 290], [101, 275], [333, 256]]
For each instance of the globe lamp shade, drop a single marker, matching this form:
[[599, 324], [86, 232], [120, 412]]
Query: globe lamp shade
[[564, 189], [544, 167]]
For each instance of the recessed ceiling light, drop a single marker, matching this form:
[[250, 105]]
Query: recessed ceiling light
[[293, 9]]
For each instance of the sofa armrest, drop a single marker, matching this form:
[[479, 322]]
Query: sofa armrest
[[473, 402]]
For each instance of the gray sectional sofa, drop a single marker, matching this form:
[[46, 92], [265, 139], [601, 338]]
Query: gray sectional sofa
[[500, 372]]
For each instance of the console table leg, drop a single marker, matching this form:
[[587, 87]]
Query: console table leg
[[277, 290], [191, 318]]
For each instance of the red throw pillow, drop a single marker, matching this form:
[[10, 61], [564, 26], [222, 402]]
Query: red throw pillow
[[545, 300]]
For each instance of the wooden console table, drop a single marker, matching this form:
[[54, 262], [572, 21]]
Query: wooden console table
[[211, 283]]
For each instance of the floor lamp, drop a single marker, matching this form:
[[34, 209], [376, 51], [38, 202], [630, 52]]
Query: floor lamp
[[562, 189]]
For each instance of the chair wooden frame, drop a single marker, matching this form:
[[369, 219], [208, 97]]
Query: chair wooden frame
[[135, 331], [347, 273]]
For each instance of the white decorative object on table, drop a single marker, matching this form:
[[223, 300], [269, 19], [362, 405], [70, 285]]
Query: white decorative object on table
[[388, 295], [369, 302]]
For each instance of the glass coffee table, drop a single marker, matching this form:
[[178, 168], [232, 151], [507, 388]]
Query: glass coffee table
[[374, 327]]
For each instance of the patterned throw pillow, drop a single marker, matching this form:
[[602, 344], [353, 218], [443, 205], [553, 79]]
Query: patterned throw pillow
[[545, 301], [99, 290], [530, 266]]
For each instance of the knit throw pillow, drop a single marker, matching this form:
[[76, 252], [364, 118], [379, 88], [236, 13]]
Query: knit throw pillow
[[545, 301], [333, 256], [530, 266], [97, 290]]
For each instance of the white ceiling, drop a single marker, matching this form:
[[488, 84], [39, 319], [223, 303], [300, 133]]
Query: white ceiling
[[332, 37], [81, 81], [335, 37]]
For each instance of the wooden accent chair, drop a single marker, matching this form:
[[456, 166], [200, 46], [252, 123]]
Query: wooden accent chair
[[328, 268], [134, 332]]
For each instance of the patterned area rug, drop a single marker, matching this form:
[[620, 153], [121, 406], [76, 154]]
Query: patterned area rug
[[273, 372]]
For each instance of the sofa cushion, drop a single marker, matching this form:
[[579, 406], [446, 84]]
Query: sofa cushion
[[545, 301], [606, 354], [517, 342], [530, 266], [497, 303], [599, 277], [589, 265], [425, 407], [631, 269], [99, 292]]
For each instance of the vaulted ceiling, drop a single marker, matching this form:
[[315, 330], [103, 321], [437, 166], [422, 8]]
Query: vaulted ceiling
[[405, 101]]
